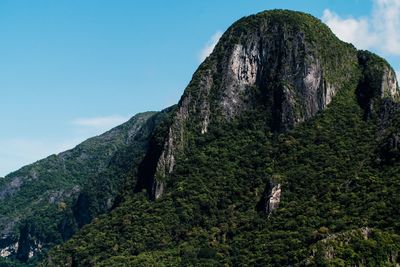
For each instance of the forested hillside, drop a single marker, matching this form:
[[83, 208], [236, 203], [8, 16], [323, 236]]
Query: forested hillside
[[45, 203]]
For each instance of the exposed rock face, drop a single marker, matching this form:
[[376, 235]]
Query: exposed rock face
[[273, 199], [271, 63], [270, 60], [9, 250], [271, 196], [158, 189], [27, 245], [389, 87], [378, 81], [378, 93]]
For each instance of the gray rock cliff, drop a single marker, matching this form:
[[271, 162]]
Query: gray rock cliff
[[261, 60]]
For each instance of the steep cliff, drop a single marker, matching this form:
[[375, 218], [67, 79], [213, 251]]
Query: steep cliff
[[378, 81]]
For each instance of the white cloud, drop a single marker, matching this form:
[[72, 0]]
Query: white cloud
[[209, 46], [355, 31], [386, 21], [379, 31], [103, 123]]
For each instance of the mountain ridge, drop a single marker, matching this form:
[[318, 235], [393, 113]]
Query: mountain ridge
[[60, 182]]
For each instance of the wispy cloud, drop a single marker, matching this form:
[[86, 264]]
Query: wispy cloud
[[209, 46], [106, 122], [380, 30]]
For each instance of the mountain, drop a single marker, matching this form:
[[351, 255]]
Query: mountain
[[46, 202], [284, 150]]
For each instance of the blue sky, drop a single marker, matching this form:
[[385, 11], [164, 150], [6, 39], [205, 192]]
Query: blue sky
[[71, 69]]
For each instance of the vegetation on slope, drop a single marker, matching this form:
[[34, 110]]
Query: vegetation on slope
[[47, 202], [330, 180]]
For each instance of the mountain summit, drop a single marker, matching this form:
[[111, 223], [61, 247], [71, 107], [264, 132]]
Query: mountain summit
[[284, 150], [285, 65]]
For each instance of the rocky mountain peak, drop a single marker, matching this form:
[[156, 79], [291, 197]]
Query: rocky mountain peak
[[287, 64]]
